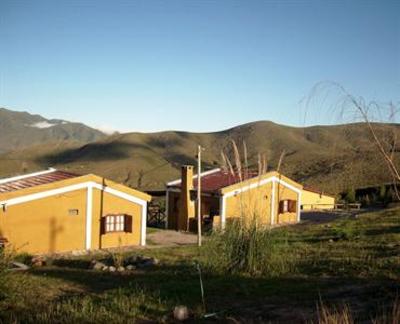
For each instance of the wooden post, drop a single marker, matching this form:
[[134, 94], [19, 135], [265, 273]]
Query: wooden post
[[199, 218]]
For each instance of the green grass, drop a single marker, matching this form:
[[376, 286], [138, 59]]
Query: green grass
[[351, 261]]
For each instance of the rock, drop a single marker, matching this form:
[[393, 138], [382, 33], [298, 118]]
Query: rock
[[112, 269], [130, 267], [18, 266], [148, 262], [79, 252], [121, 269], [105, 268], [330, 241], [38, 261], [98, 266], [181, 313]]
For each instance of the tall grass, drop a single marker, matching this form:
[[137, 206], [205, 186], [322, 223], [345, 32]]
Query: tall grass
[[249, 248], [343, 315], [334, 315]]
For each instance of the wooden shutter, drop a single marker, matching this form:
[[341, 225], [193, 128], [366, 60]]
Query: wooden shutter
[[128, 223], [281, 206], [292, 206], [103, 225]]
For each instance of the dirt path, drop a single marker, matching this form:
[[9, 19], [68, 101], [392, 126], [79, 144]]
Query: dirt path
[[168, 238]]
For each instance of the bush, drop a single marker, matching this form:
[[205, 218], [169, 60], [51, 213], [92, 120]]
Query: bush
[[249, 248], [350, 196]]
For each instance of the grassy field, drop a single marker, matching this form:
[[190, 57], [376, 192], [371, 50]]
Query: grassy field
[[350, 263]]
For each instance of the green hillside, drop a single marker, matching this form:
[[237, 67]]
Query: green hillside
[[332, 158]]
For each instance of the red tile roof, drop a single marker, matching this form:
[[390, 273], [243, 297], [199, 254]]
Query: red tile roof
[[215, 181], [35, 180]]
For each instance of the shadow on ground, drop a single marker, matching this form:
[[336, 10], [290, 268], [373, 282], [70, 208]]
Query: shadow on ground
[[245, 298]]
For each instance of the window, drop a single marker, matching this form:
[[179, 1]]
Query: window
[[287, 206], [73, 212], [116, 223]]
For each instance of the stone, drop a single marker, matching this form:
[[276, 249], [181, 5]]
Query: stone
[[18, 266], [112, 269], [98, 266], [148, 262], [130, 267], [121, 269], [105, 268], [181, 313], [38, 261]]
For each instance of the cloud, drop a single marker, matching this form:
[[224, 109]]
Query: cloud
[[43, 124]]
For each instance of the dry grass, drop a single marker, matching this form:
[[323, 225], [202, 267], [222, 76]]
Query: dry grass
[[334, 315]]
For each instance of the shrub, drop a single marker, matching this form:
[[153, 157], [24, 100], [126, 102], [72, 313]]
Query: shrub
[[248, 248], [350, 196]]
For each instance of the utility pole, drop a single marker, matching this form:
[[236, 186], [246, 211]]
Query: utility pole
[[199, 218]]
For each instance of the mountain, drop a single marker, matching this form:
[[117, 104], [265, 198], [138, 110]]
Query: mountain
[[20, 130], [332, 158]]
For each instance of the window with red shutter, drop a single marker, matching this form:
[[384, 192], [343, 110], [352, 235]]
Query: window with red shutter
[[292, 206], [128, 224], [286, 206], [116, 223], [102, 225]]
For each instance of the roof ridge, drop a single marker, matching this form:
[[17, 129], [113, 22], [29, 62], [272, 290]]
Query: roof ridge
[[28, 175]]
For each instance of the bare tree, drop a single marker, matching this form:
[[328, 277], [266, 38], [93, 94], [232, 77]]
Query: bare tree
[[369, 113]]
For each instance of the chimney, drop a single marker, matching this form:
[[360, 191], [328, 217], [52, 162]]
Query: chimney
[[186, 209]]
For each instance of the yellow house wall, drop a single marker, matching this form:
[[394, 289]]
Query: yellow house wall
[[257, 202], [253, 203], [106, 204], [44, 225], [312, 200]]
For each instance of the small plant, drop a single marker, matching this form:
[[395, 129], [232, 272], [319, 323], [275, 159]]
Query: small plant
[[334, 315], [118, 256]]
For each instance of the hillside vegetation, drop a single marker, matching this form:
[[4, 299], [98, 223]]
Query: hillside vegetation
[[332, 158]]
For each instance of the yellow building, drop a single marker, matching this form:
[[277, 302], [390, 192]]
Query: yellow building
[[56, 211], [316, 200], [271, 198]]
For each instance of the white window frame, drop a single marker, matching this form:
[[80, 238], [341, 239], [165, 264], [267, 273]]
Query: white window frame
[[115, 223]]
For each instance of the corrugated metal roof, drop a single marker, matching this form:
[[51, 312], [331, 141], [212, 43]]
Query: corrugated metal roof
[[217, 180], [35, 180]]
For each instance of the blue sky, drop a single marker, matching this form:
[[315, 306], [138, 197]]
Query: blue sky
[[193, 65]]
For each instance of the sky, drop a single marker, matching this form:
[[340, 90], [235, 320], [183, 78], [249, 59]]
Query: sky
[[194, 65]]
